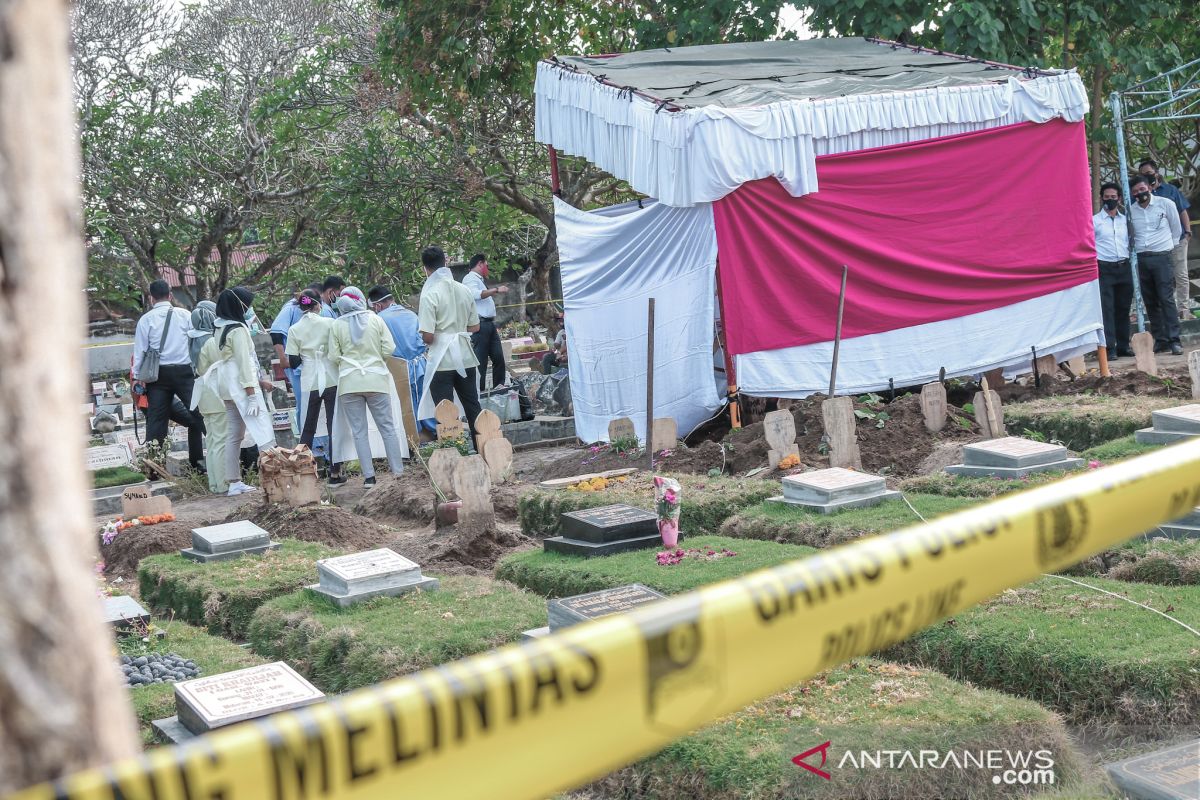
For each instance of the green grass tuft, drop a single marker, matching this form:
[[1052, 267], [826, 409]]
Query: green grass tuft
[[786, 523], [557, 575], [947, 485], [1083, 421], [340, 649], [1091, 656], [707, 502], [222, 596], [1148, 559], [115, 476], [1118, 450]]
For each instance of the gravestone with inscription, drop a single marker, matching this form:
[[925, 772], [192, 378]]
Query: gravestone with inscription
[[572, 610], [1013, 457], [122, 611], [215, 701], [603, 531], [351, 579], [834, 489], [233, 539], [1172, 425], [109, 455], [1170, 774]]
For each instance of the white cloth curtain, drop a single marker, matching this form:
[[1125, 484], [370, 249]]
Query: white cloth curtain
[[1064, 324], [699, 155], [613, 260]]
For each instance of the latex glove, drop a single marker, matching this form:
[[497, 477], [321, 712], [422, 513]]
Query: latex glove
[[252, 409]]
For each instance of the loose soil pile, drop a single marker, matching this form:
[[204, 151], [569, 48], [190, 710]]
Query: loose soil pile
[[1173, 382], [410, 497], [328, 525]]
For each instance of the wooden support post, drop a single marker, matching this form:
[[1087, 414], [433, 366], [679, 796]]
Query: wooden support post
[[837, 334], [650, 385], [1102, 359]]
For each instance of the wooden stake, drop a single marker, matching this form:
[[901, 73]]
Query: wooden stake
[[837, 334], [650, 385], [1102, 359], [1143, 352]]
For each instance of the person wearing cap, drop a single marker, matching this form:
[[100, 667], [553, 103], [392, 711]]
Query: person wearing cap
[[485, 341], [405, 328]]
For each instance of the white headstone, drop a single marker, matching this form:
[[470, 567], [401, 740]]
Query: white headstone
[[109, 455], [219, 700]]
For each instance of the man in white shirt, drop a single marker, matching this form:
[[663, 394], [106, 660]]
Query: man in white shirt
[[175, 377], [1116, 281], [445, 318], [486, 341], [1155, 233]]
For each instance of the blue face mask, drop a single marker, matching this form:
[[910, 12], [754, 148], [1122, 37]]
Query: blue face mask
[[249, 315]]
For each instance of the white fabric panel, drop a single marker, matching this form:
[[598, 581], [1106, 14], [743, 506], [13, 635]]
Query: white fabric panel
[[1065, 323], [613, 261], [699, 155]]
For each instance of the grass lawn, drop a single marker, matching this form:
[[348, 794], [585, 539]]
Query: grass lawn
[[115, 476], [864, 705], [1083, 421], [212, 654], [1118, 449], [947, 485], [1088, 655], [1148, 559], [780, 522], [223, 595], [707, 502], [340, 649], [558, 575]]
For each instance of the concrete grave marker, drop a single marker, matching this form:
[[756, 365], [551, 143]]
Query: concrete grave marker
[[779, 427], [568, 611], [498, 453], [140, 501], [222, 542], [449, 426], [664, 435], [122, 611], [988, 414], [99, 388], [351, 579], [215, 701], [442, 463], [835, 489], [837, 413], [1142, 345], [933, 406], [106, 456], [127, 412], [1171, 425], [487, 428], [473, 484], [1170, 774], [1194, 372], [1013, 457], [622, 428], [604, 530]]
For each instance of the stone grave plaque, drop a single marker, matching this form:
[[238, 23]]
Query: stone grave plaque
[[581, 608], [604, 530], [233, 539], [621, 428], [122, 611], [1181, 419], [373, 573], [1012, 451], [203, 704], [834, 489], [127, 412], [99, 387], [109, 455], [1187, 527], [1171, 774]]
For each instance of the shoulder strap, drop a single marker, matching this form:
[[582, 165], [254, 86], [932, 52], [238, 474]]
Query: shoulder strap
[[166, 326]]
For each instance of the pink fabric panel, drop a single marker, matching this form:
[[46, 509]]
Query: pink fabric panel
[[930, 230]]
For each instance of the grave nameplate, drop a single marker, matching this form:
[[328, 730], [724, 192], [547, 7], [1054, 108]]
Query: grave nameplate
[[835, 489], [233, 539], [374, 573], [1012, 452], [581, 608], [127, 412], [607, 523], [110, 455], [219, 700], [99, 387], [1171, 774], [122, 611]]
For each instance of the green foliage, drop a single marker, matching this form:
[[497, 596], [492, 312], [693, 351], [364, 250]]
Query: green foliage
[[625, 444], [857, 707], [558, 575], [223, 595], [706, 502], [1088, 655], [1118, 449], [780, 522], [341, 649], [115, 476], [458, 443], [947, 485], [212, 654], [1083, 422]]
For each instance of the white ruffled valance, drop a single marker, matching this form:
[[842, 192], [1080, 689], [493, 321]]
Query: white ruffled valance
[[699, 155]]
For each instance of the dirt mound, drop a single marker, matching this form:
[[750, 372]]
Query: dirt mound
[[591, 459], [409, 497], [455, 552], [329, 525], [1172, 382], [121, 556]]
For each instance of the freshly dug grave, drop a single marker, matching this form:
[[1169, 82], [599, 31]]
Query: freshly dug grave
[[451, 551], [1173, 382], [865, 705], [328, 525], [410, 497], [122, 555]]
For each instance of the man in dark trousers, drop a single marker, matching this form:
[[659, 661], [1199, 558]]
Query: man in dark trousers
[[175, 378], [1116, 281], [485, 341], [1155, 233], [447, 318]]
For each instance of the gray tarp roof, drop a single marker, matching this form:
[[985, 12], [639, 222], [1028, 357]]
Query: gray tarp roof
[[756, 73]]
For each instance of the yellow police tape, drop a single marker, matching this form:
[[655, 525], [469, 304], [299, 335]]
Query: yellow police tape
[[528, 720]]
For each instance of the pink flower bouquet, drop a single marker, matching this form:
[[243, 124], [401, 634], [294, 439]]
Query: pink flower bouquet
[[666, 504]]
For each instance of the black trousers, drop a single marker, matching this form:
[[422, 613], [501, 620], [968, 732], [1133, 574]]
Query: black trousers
[[174, 381], [1156, 274], [486, 343], [311, 415], [1116, 295], [446, 382]]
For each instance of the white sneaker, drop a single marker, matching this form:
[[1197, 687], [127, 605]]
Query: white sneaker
[[238, 487]]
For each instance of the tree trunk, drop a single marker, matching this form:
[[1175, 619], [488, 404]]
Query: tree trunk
[[545, 259], [1098, 104], [61, 705]]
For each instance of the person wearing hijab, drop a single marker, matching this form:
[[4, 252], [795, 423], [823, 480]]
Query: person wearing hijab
[[308, 345], [206, 399], [357, 346], [237, 383]]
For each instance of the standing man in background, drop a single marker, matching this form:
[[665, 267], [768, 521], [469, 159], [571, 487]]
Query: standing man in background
[[1155, 232], [175, 378], [1116, 282], [447, 317], [486, 341], [404, 327], [1179, 253]]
